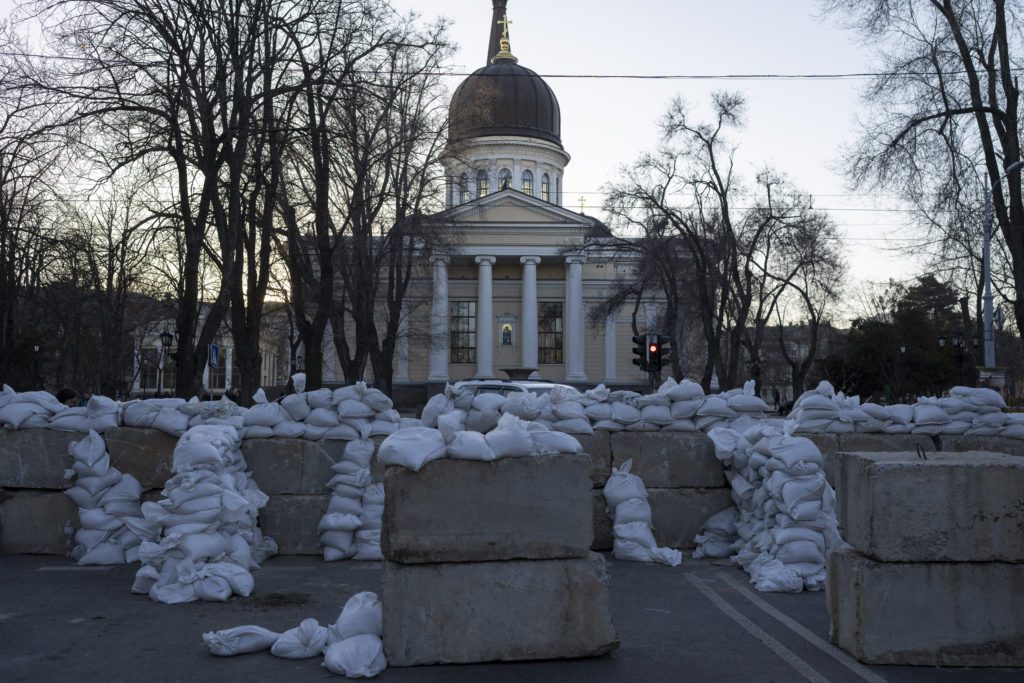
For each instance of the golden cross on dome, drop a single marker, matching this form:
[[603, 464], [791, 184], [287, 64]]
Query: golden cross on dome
[[506, 49], [505, 22]]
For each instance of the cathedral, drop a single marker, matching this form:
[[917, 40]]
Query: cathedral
[[515, 290]]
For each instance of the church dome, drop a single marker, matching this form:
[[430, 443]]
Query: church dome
[[504, 98]]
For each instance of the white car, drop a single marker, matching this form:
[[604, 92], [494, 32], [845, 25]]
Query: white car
[[506, 387]]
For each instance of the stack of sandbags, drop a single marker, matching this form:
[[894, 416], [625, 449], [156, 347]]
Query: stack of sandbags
[[223, 412], [365, 411], [156, 413], [822, 410], [207, 539], [785, 521], [28, 409], [974, 411], [566, 412], [484, 412], [264, 419], [98, 415], [343, 518], [367, 536], [626, 500], [108, 506]]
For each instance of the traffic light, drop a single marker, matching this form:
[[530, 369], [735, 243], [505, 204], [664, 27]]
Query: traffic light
[[661, 351], [640, 350]]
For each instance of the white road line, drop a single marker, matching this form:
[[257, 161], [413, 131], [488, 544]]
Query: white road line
[[795, 626], [88, 568], [805, 669]]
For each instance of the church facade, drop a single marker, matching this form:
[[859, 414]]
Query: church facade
[[523, 273]]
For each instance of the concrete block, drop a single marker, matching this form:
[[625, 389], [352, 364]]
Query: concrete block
[[146, 454], [35, 458], [993, 444], [957, 507], [678, 514], [496, 611], [828, 444], [32, 522], [669, 459], [926, 613], [599, 446], [603, 537], [292, 521], [291, 466], [467, 511]]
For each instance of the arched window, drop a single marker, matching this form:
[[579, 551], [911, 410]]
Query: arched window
[[558, 190], [504, 179], [527, 182], [545, 187], [464, 188], [483, 185]]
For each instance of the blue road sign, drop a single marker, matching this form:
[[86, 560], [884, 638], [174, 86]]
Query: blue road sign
[[214, 355]]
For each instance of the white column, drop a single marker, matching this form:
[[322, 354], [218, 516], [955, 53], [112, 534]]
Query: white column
[[402, 349], [484, 319], [227, 368], [529, 338], [609, 348], [438, 366], [574, 371]]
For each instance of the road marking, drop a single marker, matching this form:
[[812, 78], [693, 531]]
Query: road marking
[[798, 628], [74, 569], [805, 669]]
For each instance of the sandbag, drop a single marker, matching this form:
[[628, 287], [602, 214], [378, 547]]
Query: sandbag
[[362, 614], [306, 640], [510, 439], [413, 448], [361, 656], [470, 446], [239, 640]]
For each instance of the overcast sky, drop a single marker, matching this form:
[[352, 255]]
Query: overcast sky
[[797, 126]]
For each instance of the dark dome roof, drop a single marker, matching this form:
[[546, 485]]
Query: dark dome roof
[[504, 98]]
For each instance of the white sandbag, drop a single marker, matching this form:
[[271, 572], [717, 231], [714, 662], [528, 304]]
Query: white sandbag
[[568, 410], [345, 505], [346, 432], [171, 421], [438, 404], [338, 522], [470, 446], [413, 448], [624, 413], [334, 554], [747, 404], [510, 439], [681, 410], [361, 614], [264, 414], [598, 411], [488, 402], [578, 425], [635, 532], [622, 486], [69, 420], [929, 414], [16, 415], [377, 400], [343, 542], [359, 451], [480, 421], [306, 640], [360, 656], [609, 425], [546, 442], [383, 427], [633, 510], [634, 552], [686, 390], [716, 406], [353, 408], [642, 426], [368, 545], [239, 640], [296, 406], [289, 429], [323, 417], [523, 404], [321, 398], [656, 414]]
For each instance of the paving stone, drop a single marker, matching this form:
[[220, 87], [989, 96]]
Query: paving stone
[[146, 454], [468, 612], [471, 511], [994, 444], [32, 522], [669, 459], [960, 507], [35, 458], [599, 446], [926, 613], [292, 521], [678, 514]]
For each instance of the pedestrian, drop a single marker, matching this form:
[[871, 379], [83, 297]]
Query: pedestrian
[[778, 400], [68, 397]]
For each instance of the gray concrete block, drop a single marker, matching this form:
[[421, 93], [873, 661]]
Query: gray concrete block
[[35, 458], [468, 511], [146, 454], [32, 522], [828, 444], [292, 521], [496, 611], [291, 466], [678, 514], [669, 459], [993, 444], [957, 507], [927, 613], [603, 536], [878, 443], [599, 446]]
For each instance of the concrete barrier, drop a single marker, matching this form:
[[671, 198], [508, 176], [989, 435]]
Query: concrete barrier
[[678, 514], [292, 466], [669, 459], [952, 507], [35, 458], [458, 613], [32, 522], [468, 511], [926, 613], [292, 521], [146, 454], [599, 447]]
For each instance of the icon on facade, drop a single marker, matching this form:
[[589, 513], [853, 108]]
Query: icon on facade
[[506, 334]]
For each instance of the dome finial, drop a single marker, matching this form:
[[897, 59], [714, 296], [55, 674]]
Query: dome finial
[[506, 47]]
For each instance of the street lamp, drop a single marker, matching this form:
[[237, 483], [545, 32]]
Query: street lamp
[[986, 267], [959, 345], [35, 362], [298, 363], [166, 338]]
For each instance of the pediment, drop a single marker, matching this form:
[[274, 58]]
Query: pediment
[[508, 208]]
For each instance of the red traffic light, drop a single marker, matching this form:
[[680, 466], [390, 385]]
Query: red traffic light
[[654, 348]]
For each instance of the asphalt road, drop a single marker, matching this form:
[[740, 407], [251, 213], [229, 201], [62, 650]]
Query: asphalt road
[[696, 622]]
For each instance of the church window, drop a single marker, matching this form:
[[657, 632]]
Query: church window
[[545, 187], [483, 186], [527, 182], [558, 190], [463, 331], [504, 179], [464, 188], [549, 328]]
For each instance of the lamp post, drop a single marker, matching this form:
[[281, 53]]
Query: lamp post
[[298, 363], [166, 338], [899, 373], [986, 260], [959, 345], [35, 364]]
